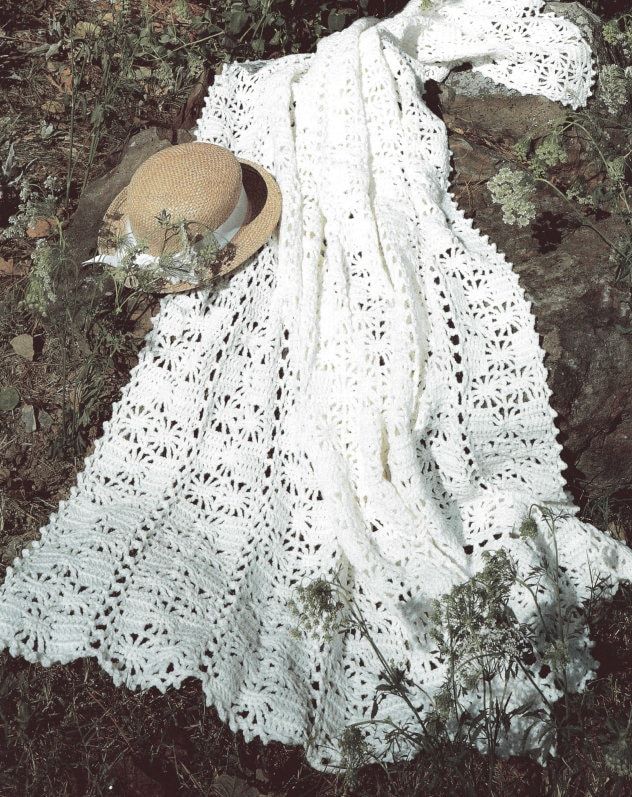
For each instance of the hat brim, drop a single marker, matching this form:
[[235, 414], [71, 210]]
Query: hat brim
[[264, 197]]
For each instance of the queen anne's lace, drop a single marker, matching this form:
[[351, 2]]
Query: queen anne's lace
[[369, 392]]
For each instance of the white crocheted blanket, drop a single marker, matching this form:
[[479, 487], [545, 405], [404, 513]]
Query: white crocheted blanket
[[367, 393]]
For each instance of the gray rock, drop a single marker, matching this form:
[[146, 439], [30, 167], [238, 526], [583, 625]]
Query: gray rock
[[580, 313], [477, 163], [583, 317], [470, 84], [9, 398], [45, 420], [22, 345], [498, 117], [28, 418], [473, 84]]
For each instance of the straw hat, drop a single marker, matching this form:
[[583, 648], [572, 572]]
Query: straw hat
[[232, 204]]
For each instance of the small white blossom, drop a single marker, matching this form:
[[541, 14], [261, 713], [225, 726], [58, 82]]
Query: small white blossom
[[513, 190], [613, 87]]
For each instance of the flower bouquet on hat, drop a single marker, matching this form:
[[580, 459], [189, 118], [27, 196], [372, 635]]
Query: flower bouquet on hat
[[190, 213]]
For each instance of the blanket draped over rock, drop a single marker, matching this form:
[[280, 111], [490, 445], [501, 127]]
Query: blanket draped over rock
[[366, 396]]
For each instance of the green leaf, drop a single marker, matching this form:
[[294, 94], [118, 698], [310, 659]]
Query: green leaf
[[97, 115], [53, 50], [237, 21], [336, 21], [39, 50]]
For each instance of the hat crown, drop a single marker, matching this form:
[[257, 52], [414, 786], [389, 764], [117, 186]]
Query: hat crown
[[238, 198], [197, 182]]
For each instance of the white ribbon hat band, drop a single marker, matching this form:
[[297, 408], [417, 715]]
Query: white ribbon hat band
[[226, 231], [224, 234]]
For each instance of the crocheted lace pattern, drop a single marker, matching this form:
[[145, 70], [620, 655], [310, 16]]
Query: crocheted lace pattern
[[367, 393]]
